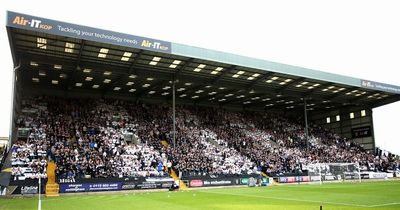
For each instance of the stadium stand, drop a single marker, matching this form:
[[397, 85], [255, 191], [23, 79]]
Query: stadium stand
[[90, 138]]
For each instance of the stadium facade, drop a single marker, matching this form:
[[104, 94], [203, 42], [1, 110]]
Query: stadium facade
[[63, 59]]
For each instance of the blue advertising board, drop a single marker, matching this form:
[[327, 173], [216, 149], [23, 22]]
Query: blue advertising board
[[90, 187], [32, 23]]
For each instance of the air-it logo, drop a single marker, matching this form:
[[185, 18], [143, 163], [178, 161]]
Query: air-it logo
[[20, 20]]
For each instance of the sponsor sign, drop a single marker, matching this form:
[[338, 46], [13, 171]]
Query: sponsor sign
[[66, 188], [361, 132], [375, 175], [29, 189], [292, 179], [315, 178], [220, 182], [329, 177], [196, 183], [380, 86], [106, 186], [32, 23]]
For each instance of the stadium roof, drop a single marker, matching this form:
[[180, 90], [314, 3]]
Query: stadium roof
[[62, 56]]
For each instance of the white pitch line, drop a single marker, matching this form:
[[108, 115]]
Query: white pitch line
[[384, 204], [293, 199]]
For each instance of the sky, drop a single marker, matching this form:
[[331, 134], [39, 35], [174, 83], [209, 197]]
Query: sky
[[358, 38]]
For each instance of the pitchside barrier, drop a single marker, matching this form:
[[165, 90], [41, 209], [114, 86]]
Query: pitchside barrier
[[225, 180], [30, 186], [72, 185]]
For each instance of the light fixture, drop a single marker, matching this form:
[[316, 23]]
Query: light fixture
[[195, 97], [87, 70], [102, 53], [146, 85], [256, 75], [78, 84], [269, 81], [236, 75], [56, 66], [34, 79], [199, 67], [69, 47], [188, 83], [155, 58], [199, 91], [107, 73], [130, 83], [132, 76], [54, 82], [33, 63], [150, 79], [166, 87], [172, 66], [176, 62], [275, 78], [88, 78], [107, 81], [152, 92], [288, 80], [240, 72], [41, 43], [183, 95], [214, 72], [126, 56], [117, 88], [132, 90], [95, 86]]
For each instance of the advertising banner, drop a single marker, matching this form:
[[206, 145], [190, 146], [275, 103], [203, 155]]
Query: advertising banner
[[32, 23], [292, 179], [361, 132], [380, 86], [129, 184]]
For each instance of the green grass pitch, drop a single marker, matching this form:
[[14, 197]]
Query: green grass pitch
[[341, 196]]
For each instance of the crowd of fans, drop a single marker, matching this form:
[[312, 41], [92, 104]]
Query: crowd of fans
[[112, 138]]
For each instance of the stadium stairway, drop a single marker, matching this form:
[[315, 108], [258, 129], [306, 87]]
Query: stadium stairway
[[52, 188], [182, 185], [164, 143]]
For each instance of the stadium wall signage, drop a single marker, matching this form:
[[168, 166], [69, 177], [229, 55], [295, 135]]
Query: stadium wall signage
[[208, 181], [361, 132], [380, 86], [89, 185], [32, 23]]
